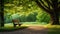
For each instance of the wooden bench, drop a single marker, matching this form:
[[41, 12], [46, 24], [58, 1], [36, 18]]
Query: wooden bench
[[16, 22]]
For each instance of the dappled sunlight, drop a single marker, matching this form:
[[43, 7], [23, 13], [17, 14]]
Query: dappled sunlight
[[45, 26], [32, 26], [37, 27], [53, 26], [8, 25]]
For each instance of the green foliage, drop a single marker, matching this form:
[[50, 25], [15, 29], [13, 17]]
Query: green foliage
[[31, 17], [28, 10], [23, 18], [43, 17]]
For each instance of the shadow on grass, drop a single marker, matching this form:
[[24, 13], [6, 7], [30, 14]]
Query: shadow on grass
[[55, 29], [8, 29]]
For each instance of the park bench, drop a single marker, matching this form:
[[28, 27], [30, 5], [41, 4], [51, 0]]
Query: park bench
[[16, 22]]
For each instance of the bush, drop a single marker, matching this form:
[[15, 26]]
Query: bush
[[43, 17]]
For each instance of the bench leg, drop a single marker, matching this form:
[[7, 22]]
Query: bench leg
[[14, 25], [19, 24]]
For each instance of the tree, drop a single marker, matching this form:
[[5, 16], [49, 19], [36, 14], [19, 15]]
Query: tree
[[2, 13], [52, 7]]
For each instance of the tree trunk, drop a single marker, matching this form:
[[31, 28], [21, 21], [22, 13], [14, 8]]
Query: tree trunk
[[2, 20], [55, 13], [2, 13], [55, 19]]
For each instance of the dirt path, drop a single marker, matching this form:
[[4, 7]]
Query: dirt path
[[29, 30]]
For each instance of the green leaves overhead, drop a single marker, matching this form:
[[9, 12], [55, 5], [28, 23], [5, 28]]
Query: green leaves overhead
[[27, 9]]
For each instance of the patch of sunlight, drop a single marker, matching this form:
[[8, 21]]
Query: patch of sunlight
[[9, 4], [34, 25], [25, 25], [19, 8], [53, 26], [10, 25]]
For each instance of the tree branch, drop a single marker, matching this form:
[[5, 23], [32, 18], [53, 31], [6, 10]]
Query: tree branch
[[59, 3], [44, 4], [59, 9], [40, 5], [49, 3]]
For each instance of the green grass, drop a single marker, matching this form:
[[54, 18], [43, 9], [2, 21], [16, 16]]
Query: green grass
[[10, 27], [54, 29], [2, 29], [28, 23], [34, 23]]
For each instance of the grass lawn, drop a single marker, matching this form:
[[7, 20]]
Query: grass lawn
[[10, 27], [53, 29]]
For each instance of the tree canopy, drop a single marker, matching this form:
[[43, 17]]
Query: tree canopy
[[26, 8], [52, 7]]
